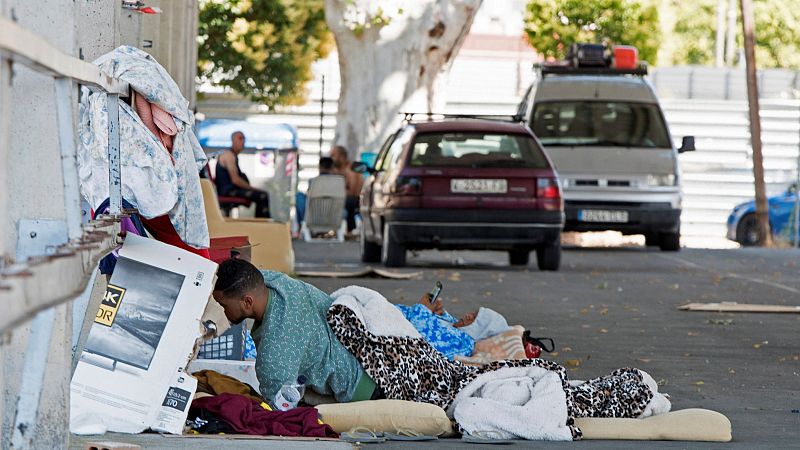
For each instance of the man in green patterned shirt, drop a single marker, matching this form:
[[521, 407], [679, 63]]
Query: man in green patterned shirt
[[291, 333]]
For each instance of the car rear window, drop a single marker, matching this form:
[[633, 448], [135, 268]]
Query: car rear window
[[475, 149]]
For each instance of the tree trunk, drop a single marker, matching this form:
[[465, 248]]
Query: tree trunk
[[730, 38], [762, 211], [383, 67]]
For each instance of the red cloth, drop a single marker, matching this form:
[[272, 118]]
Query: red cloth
[[161, 229], [248, 417]]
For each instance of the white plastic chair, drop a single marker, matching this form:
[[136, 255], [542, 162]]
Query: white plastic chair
[[324, 207]]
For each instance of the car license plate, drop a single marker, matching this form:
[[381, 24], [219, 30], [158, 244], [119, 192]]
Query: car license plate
[[478, 186], [602, 215]]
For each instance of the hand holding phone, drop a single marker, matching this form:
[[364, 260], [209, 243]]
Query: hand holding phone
[[437, 289]]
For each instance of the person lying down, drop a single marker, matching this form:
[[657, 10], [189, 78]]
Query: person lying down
[[355, 345], [450, 336]]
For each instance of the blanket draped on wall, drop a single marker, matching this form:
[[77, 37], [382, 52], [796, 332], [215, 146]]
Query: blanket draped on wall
[[156, 179]]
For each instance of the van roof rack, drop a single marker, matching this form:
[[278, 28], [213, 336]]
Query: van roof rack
[[596, 59], [561, 69], [409, 116]]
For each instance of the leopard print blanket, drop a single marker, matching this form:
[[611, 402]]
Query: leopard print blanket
[[411, 369]]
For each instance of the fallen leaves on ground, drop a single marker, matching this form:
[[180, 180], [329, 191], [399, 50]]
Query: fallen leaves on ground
[[603, 285], [604, 311], [699, 383], [603, 330], [566, 349], [644, 360], [573, 362], [693, 333], [455, 276]]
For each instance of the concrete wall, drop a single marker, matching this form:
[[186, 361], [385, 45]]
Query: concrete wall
[[32, 168], [172, 40], [5, 106]]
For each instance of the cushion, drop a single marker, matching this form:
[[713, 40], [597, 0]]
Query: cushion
[[507, 345], [387, 416], [682, 425]]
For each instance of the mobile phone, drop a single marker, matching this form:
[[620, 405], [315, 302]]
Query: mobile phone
[[437, 289]]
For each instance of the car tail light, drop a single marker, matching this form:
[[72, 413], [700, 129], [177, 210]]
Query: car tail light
[[407, 186], [548, 188]]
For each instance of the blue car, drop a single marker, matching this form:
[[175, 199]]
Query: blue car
[[742, 220]]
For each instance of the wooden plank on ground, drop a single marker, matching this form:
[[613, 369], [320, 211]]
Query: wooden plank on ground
[[740, 307], [359, 273]]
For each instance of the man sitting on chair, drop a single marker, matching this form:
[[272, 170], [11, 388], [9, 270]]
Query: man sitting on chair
[[353, 183], [325, 168], [232, 182]]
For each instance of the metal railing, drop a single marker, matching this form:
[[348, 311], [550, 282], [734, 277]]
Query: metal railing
[[50, 269]]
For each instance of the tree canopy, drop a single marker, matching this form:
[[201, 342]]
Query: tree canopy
[[552, 25], [262, 49], [777, 39]]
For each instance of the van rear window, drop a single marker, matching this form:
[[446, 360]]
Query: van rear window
[[479, 150], [600, 123]]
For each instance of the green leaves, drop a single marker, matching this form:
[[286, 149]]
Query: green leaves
[[552, 25], [777, 40], [262, 49]]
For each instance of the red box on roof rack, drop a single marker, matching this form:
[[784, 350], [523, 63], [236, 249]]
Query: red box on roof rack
[[626, 57]]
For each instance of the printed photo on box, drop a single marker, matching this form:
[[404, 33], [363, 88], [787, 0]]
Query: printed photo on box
[[133, 314]]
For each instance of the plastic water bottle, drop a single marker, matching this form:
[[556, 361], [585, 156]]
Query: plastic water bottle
[[290, 394]]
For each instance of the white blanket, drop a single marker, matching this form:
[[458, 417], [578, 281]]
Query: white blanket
[[518, 402], [380, 317]]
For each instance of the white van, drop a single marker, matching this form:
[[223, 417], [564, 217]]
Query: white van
[[604, 130]]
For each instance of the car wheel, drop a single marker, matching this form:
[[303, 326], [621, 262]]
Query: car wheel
[[394, 254], [651, 240], [370, 251], [670, 242], [548, 257], [519, 257], [747, 231]]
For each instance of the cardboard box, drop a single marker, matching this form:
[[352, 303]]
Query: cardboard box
[[244, 371], [143, 335], [175, 407], [223, 248]]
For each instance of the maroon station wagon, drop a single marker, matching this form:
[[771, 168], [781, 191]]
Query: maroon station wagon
[[463, 184]]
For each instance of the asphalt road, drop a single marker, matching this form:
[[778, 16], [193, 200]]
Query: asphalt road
[[610, 308], [616, 307]]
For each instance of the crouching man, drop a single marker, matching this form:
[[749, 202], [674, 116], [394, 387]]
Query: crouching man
[[291, 333]]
